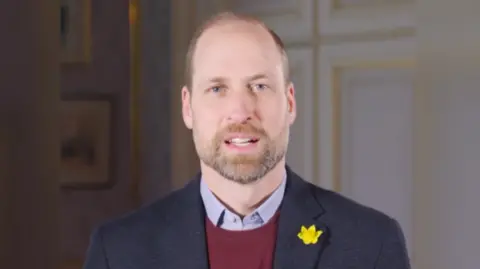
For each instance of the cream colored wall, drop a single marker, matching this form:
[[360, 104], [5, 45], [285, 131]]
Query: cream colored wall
[[447, 200]]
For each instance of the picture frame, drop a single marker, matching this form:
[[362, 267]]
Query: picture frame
[[75, 31], [87, 141]]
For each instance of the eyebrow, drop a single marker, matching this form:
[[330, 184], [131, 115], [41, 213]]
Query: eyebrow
[[258, 76], [250, 78], [217, 80]]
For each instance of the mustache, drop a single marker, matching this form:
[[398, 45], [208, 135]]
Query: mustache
[[241, 128]]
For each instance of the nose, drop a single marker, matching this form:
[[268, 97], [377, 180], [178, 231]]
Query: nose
[[241, 108]]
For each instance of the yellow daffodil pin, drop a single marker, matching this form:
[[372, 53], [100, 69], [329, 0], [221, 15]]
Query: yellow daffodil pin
[[310, 235]]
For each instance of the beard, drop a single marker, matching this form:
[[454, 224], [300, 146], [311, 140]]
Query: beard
[[238, 167]]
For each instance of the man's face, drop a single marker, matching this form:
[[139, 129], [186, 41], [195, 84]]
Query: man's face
[[239, 106]]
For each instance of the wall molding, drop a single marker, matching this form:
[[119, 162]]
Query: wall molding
[[302, 61], [184, 161], [354, 20], [331, 60], [293, 22]]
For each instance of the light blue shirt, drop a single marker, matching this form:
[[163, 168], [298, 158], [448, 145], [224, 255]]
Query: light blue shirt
[[225, 219]]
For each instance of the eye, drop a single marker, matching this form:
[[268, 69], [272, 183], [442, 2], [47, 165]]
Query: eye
[[216, 89], [260, 87]]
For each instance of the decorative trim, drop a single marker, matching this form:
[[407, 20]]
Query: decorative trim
[[331, 60], [301, 59], [337, 4], [135, 91], [355, 20]]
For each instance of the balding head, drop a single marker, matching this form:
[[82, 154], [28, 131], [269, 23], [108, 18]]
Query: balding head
[[238, 100], [235, 23]]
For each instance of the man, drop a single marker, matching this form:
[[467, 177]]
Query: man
[[246, 209]]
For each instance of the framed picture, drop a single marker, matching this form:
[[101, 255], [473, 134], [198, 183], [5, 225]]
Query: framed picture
[[75, 31], [87, 141]]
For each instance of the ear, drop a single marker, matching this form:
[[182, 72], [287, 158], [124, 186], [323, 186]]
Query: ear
[[291, 103], [187, 107]]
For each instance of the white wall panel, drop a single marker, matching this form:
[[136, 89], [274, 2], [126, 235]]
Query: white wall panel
[[355, 17], [335, 57], [376, 140], [365, 3], [300, 152]]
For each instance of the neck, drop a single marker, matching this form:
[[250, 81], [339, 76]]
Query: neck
[[243, 199]]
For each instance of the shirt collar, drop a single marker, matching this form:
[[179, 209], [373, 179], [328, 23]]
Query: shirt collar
[[215, 209]]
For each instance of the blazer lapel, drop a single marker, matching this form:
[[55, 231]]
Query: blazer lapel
[[299, 208], [186, 243]]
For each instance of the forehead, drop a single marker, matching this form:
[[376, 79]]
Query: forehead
[[242, 47]]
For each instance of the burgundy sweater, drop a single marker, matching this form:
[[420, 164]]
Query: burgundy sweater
[[252, 249]]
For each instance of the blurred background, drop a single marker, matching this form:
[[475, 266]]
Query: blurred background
[[388, 100]]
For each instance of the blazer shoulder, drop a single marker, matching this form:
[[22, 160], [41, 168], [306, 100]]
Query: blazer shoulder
[[345, 210], [144, 219]]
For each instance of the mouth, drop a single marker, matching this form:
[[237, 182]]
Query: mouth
[[241, 141]]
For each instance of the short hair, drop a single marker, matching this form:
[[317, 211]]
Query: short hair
[[228, 16]]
